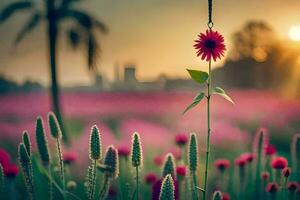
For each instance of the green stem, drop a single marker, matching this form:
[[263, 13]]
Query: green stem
[[94, 179], [104, 188], [61, 163], [50, 183], [195, 191], [137, 183], [208, 132]]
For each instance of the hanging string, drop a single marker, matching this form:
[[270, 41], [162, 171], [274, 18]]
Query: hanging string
[[210, 23]]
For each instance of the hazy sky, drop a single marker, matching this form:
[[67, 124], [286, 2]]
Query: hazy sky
[[156, 35]]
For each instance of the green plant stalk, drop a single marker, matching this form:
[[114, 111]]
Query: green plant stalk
[[208, 131], [104, 188], [195, 191], [137, 182], [61, 162], [94, 179], [50, 183]]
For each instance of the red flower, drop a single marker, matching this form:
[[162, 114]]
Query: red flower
[[241, 162], [225, 196], [210, 45], [158, 160], [150, 178], [265, 176], [270, 150], [4, 158], [286, 172], [123, 151], [181, 170], [181, 139], [279, 163], [69, 157], [272, 187], [222, 164], [292, 186], [248, 157], [11, 171]]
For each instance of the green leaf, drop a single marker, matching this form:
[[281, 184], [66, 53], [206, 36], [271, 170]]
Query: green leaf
[[198, 76], [196, 100], [222, 93]]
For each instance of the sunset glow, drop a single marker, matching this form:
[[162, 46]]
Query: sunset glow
[[294, 33]]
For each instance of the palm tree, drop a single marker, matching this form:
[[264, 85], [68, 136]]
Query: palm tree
[[55, 12]]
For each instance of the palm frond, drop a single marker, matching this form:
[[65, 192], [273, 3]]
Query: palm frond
[[9, 10], [29, 26], [93, 51], [83, 19], [74, 37]]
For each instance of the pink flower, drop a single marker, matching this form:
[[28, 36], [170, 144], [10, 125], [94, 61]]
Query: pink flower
[[286, 172], [69, 157], [158, 160], [225, 196], [222, 164], [279, 163], [4, 158], [241, 162], [181, 170], [181, 139], [123, 151], [248, 157], [210, 45], [292, 186], [150, 178], [265, 176], [11, 171], [272, 187], [270, 150]]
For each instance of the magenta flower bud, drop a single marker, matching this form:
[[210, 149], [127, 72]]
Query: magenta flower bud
[[279, 163], [241, 162], [11, 171], [270, 150], [181, 139], [248, 157], [286, 172], [292, 186], [272, 188], [222, 164], [225, 196], [265, 176], [123, 151], [150, 178], [181, 170], [69, 157]]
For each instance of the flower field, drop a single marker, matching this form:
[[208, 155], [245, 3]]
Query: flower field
[[250, 159]]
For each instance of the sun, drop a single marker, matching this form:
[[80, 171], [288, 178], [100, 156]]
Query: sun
[[294, 33]]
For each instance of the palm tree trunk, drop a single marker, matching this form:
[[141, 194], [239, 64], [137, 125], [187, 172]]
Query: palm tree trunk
[[52, 40]]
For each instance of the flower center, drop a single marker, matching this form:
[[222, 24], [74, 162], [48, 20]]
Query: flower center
[[210, 44]]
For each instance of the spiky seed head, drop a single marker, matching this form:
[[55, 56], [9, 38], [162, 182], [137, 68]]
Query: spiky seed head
[[111, 161], [42, 142], [169, 166], [217, 195], [167, 189], [23, 155], [136, 151], [26, 142], [95, 144], [54, 126], [295, 151], [193, 153]]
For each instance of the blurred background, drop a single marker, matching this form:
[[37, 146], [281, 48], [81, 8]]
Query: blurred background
[[121, 64]]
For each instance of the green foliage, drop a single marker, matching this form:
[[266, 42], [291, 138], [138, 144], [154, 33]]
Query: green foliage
[[195, 102], [222, 93], [26, 142], [54, 126], [111, 161], [95, 152], [198, 76], [167, 189], [42, 142], [136, 151], [193, 153], [295, 151], [217, 195], [169, 166], [26, 166]]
